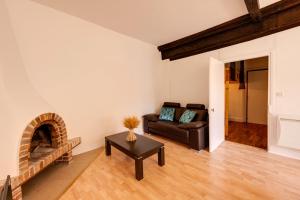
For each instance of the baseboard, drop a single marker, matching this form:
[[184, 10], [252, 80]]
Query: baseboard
[[236, 119], [217, 144], [290, 153]]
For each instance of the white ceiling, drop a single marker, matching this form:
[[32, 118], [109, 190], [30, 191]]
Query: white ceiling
[[154, 21]]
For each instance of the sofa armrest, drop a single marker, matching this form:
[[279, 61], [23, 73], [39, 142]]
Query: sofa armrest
[[193, 125], [151, 117]]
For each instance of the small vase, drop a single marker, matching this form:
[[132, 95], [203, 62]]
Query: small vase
[[131, 136]]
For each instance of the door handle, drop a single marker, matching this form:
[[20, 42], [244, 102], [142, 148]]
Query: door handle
[[212, 110]]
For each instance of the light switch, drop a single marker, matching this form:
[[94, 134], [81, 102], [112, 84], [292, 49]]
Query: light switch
[[279, 94]]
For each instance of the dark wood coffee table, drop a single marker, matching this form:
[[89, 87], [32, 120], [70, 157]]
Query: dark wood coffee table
[[139, 150]]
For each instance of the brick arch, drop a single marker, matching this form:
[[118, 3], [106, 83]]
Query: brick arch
[[59, 137]]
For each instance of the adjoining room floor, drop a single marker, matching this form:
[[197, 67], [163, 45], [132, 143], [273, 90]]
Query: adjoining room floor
[[52, 182], [251, 134], [233, 171]]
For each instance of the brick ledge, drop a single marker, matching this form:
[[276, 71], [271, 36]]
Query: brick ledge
[[38, 166]]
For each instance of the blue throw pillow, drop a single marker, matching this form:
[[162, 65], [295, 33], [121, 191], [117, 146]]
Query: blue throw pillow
[[187, 116], [167, 114]]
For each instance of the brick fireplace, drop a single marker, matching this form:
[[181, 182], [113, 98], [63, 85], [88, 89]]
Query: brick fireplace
[[44, 141]]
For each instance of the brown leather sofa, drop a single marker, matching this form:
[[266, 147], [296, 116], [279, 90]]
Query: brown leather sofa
[[194, 134]]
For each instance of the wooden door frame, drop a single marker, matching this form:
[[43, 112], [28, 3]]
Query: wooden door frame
[[271, 74], [227, 70]]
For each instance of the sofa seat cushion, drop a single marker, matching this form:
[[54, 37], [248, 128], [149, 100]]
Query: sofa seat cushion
[[170, 130], [193, 125]]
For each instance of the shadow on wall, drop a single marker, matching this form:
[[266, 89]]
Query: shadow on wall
[[19, 102], [91, 76]]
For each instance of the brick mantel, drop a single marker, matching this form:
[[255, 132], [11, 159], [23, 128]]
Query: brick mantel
[[60, 143], [59, 137]]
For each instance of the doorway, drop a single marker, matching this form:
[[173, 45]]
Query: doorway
[[246, 102]]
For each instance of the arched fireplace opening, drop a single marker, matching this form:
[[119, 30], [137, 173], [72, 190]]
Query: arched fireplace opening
[[44, 141], [41, 142], [42, 136]]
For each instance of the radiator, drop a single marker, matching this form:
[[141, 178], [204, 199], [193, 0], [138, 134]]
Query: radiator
[[289, 131]]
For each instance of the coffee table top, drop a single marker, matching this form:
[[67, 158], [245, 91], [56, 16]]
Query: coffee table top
[[140, 148]]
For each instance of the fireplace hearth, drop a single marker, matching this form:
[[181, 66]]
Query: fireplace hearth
[[44, 141]]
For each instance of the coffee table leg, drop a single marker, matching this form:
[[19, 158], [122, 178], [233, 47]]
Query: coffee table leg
[[139, 174], [107, 147], [161, 156]]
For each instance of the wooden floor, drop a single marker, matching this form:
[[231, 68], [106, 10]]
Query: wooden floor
[[54, 180], [251, 134], [233, 171]]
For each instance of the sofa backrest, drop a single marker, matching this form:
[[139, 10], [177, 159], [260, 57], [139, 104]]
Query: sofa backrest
[[178, 110], [178, 113], [195, 106], [202, 113], [171, 104]]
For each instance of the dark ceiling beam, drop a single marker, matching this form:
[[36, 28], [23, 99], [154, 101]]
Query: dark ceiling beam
[[253, 9], [277, 17]]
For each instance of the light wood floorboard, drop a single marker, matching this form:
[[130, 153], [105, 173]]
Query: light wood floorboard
[[233, 171]]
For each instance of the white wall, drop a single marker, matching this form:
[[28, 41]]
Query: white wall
[[19, 102], [54, 62], [258, 97], [283, 49], [237, 103], [93, 77], [258, 90], [186, 80], [283, 79]]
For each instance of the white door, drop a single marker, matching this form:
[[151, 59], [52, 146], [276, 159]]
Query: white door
[[216, 103]]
